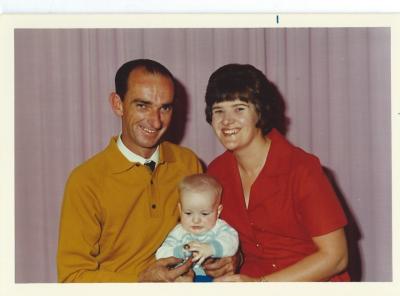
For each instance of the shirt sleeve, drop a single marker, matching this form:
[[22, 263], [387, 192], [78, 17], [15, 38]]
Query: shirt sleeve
[[172, 245], [318, 206], [79, 234], [226, 241]]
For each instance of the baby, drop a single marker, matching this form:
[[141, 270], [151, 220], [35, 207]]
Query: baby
[[200, 233]]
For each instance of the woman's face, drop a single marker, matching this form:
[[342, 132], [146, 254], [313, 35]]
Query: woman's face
[[234, 123]]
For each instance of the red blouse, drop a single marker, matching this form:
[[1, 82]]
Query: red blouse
[[290, 202]]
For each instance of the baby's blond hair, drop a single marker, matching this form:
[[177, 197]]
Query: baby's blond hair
[[200, 183]]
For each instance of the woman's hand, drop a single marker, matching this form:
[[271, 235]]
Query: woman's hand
[[217, 267], [186, 277]]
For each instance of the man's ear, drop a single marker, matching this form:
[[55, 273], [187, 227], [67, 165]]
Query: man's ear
[[219, 210], [116, 104]]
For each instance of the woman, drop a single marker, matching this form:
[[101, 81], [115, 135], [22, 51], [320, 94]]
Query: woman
[[275, 195]]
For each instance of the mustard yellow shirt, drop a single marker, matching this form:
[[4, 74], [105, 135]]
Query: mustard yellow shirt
[[116, 213]]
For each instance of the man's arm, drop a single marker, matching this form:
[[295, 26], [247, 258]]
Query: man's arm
[[79, 234]]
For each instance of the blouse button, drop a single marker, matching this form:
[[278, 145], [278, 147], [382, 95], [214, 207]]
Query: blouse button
[[258, 245], [153, 206]]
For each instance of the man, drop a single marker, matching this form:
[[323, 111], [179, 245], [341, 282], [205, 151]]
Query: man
[[117, 210]]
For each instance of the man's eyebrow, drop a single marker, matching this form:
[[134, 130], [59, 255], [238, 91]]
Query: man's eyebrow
[[149, 103], [142, 101]]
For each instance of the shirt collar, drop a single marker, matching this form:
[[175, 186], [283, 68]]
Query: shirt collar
[[133, 157], [280, 154], [119, 163]]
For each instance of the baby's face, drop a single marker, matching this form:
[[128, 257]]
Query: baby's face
[[199, 211]]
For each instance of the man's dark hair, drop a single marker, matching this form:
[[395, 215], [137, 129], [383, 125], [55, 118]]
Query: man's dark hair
[[150, 66], [248, 84]]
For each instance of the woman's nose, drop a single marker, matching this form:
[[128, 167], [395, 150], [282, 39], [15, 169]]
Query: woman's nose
[[227, 118]]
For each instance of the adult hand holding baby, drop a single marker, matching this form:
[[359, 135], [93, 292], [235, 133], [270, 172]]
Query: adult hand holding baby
[[162, 271]]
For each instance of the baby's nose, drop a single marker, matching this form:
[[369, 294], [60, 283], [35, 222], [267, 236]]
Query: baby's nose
[[196, 219]]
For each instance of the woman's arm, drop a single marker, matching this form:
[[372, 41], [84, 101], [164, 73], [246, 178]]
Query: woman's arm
[[330, 259]]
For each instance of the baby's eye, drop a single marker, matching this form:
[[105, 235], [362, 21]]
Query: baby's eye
[[205, 214], [187, 213]]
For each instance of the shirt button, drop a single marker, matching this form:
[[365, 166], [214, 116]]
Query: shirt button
[[258, 245], [273, 265], [153, 206]]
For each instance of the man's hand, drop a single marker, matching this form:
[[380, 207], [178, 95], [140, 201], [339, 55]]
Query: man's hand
[[222, 266], [163, 271]]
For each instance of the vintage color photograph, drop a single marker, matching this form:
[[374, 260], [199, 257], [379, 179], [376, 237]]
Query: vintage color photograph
[[284, 131]]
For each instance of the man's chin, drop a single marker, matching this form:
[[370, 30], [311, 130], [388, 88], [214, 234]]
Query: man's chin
[[150, 145]]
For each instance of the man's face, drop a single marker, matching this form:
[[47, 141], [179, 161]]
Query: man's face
[[146, 111], [199, 211]]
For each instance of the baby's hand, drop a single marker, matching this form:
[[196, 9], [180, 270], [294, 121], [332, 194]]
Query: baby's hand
[[200, 251]]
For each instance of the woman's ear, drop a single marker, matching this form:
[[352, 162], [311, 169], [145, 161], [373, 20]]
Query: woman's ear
[[116, 104]]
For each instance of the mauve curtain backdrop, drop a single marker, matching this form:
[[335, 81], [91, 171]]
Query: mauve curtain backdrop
[[335, 83]]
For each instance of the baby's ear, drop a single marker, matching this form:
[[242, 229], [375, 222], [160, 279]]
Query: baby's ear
[[180, 208], [219, 210]]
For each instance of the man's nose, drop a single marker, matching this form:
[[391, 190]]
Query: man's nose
[[155, 119]]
